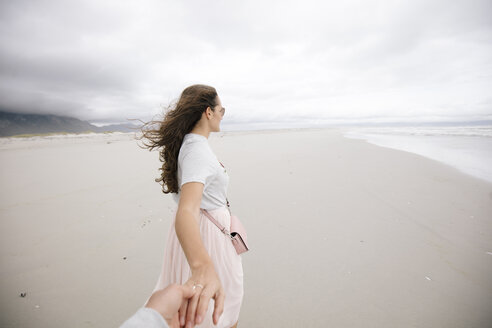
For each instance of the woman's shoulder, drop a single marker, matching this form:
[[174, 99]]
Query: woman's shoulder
[[194, 142], [195, 146]]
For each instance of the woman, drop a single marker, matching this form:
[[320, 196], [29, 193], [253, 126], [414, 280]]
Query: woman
[[197, 253]]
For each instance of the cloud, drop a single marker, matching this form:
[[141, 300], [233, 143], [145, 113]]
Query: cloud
[[269, 60]]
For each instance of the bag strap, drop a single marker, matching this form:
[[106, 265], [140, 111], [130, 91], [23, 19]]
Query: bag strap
[[220, 226], [228, 206]]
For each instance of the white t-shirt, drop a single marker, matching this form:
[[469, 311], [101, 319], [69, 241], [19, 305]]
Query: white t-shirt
[[198, 163]]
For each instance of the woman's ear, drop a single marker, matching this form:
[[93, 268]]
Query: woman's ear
[[207, 112]]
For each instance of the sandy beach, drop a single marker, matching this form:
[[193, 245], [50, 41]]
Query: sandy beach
[[343, 233]]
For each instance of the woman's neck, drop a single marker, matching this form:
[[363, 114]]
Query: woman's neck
[[201, 131]]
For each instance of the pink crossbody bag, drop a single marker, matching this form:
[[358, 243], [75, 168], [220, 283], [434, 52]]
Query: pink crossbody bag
[[237, 232]]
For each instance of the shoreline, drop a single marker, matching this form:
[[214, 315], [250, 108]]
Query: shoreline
[[385, 141], [470, 154]]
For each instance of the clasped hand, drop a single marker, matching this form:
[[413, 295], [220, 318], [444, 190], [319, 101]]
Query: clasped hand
[[206, 286], [188, 303]]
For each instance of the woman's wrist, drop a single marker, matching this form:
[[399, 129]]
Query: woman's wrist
[[200, 263]]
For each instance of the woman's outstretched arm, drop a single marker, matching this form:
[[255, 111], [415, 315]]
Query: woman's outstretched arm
[[202, 268], [187, 226]]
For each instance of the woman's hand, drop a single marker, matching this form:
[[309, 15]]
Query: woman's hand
[[207, 286]]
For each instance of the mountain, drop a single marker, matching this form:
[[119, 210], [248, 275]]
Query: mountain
[[15, 123]]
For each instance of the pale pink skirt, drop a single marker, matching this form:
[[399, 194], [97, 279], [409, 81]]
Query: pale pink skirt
[[227, 262]]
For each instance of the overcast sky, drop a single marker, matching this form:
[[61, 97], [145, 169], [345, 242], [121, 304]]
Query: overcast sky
[[276, 61]]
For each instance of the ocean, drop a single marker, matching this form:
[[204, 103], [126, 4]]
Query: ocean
[[467, 148]]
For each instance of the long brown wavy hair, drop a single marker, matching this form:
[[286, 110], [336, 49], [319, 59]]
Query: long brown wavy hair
[[168, 133]]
